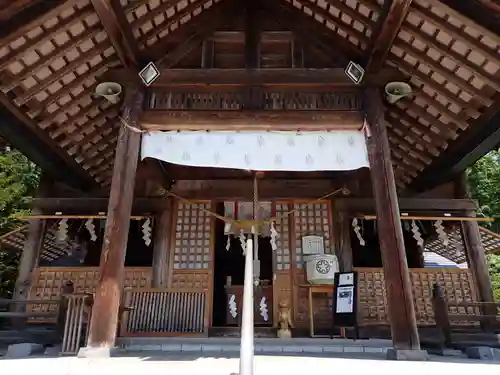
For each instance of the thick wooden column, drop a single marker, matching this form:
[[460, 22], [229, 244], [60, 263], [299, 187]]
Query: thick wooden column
[[103, 325], [29, 257], [397, 277], [161, 251], [32, 247], [476, 256]]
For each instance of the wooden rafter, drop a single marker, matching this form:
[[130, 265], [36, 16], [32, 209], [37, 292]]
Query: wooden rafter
[[24, 135], [482, 136], [467, 12], [389, 24], [112, 17], [31, 18]]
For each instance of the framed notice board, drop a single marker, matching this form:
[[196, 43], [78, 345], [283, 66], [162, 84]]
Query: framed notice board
[[345, 300]]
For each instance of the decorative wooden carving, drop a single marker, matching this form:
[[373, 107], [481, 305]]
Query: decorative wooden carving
[[262, 98], [192, 237]]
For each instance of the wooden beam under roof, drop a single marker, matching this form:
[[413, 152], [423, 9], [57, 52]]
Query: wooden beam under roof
[[287, 76], [119, 32], [40, 149], [251, 120], [389, 24]]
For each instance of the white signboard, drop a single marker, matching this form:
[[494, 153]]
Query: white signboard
[[345, 299], [346, 279]]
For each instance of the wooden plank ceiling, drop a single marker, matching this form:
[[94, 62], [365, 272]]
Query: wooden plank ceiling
[[49, 66]]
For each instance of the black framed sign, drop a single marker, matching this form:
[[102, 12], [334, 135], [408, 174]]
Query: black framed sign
[[345, 304]]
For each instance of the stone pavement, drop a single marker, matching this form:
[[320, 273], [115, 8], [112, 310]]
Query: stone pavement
[[200, 363]]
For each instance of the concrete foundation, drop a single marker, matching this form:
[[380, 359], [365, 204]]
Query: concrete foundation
[[407, 355], [91, 352], [23, 350]]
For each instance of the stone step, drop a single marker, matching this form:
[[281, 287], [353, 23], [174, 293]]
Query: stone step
[[42, 336], [262, 345]]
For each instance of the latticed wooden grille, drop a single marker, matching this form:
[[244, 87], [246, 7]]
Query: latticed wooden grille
[[310, 219], [192, 236]]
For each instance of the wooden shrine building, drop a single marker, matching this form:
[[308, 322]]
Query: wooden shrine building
[[138, 187]]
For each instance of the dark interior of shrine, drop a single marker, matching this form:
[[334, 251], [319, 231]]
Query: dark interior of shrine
[[369, 255], [138, 253], [232, 263]]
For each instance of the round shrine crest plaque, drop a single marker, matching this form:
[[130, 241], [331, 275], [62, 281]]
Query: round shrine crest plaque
[[323, 267]]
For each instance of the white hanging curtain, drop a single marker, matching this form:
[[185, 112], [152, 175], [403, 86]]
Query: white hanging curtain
[[262, 151]]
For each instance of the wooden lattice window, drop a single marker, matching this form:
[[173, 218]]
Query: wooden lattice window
[[192, 236], [310, 219], [283, 258]]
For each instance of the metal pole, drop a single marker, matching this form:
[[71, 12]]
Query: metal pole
[[246, 346]]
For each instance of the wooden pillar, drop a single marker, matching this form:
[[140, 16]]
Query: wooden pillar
[[32, 248], [161, 251], [104, 322], [346, 262], [397, 277], [342, 239], [476, 256]]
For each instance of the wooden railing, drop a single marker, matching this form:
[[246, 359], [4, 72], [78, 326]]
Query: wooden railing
[[19, 313], [76, 322], [165, 312], [449, 315]]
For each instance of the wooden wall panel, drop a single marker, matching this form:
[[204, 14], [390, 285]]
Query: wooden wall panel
[[191, 279], [47, 282], [372, 301]]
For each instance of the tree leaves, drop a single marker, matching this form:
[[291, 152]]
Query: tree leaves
[[484, 178], [19, 179]]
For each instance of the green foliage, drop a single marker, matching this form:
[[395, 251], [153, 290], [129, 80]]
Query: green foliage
[[494, 264], [484, 178], [19, 179]]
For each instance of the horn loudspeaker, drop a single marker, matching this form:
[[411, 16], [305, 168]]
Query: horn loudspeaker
[[396, 91], [109, 90]]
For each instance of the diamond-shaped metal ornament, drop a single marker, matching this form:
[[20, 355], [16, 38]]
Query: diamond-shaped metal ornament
[[149, 74]]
